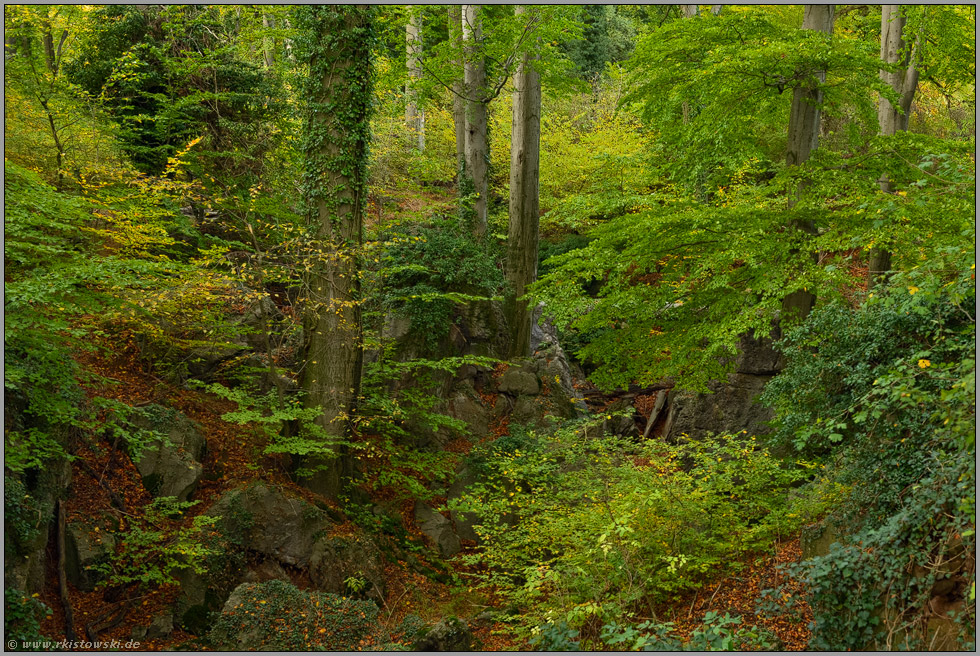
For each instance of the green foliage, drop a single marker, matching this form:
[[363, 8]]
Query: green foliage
[[714, 88], [894, 395], [424, 276], [276, 615], [608, 37], [675, 277], [578, 525], [716, 633], [22, 517], [896, 385], [157, 544], [22, 619], [170, 74], [288, 426]]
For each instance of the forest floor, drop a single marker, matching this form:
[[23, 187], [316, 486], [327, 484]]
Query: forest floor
[[234, 457]]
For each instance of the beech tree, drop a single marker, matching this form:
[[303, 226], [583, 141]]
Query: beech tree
[[414, 115], [804, 136], [475, 149], [522, 233], [337, 40], [891, 118]]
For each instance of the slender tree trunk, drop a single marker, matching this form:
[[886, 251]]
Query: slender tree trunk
[[804, 137], [476, 152], [893, 119], [336, 147], [459, 105], [268, 42], [414, 115], [522, 233]]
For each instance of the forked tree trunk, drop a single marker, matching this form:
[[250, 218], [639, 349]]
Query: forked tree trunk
[[336, 163], [804, 137], [414, 115], [892, 119], [476, 153], [522, 233]]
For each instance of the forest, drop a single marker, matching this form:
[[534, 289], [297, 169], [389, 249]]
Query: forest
[[490, 327]]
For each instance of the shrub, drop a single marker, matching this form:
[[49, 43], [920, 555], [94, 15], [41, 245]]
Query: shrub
[[585, 528], [892, 397]]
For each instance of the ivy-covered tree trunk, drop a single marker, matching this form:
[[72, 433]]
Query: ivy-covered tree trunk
[[891, 119], [476, 151], [414, 115], [337, 40], [459, 105], [804, 137], [522, 233]]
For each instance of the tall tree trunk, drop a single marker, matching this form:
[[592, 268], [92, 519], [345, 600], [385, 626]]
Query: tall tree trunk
[[893, 119], [414, 115], [689, 11], [268, 42], [476, 152], [459, 105], [804, 137], [522, 233], [336, 148]]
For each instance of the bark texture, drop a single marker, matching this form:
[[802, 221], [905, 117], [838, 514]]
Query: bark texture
[[892, 119], [804, 137], [414, 115], [476, 151], [268, 43], [459, 105], [522, 233], [337, 163]]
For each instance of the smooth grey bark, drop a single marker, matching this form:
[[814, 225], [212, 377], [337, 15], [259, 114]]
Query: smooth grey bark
[[332, 322], [459, 106], [689, 11], [475, 153], [892, 119], [804, 137], [522, 233], [905, 80], [414, 115], [268, 43]]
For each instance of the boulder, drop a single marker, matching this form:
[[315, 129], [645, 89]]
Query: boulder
[[26, 549], [203, 358], [267, 570], [438, 529], [349, 565], [272, 524], [465, 404], [449, 634], [85, 548], [160, 627], [731, 407], [261, 316], [517, 382], [463, 522], [169, 465], [292, 533]]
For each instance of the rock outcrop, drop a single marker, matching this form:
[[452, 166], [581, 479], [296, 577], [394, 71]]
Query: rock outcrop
[[170, 463]]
